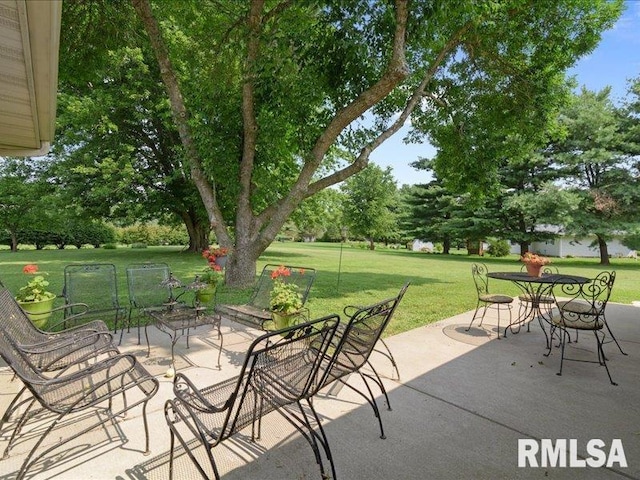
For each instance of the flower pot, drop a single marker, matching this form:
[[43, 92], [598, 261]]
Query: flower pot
[[282, 320], [38, 312], [221, 261], [534, 270], [206, 294]]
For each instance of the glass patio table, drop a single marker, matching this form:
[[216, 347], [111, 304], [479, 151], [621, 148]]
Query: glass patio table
[[535, 288]]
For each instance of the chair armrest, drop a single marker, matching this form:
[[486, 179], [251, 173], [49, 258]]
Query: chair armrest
[[125, 361], [349, 310]]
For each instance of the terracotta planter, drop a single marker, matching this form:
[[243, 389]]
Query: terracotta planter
[[206, 294], [38, 312], [534, 270]]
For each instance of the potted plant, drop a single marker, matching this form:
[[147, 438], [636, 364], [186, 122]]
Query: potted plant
[[285, 300], [34, 298], [534, 263], [212, 276]]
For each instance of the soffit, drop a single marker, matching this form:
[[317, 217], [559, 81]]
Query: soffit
[[29, 45]]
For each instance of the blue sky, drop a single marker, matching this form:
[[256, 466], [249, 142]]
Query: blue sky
[[612, 63]]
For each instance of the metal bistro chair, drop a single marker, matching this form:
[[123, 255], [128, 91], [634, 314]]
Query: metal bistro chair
[[94, 284], [584, 310], [278, 372], [255, 313], [486, 299], [149, 289]]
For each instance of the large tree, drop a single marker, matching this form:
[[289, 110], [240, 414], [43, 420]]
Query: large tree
[[264, 93], [598, 168]]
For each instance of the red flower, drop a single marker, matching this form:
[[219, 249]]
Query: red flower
[[281, 271], [30, 269]]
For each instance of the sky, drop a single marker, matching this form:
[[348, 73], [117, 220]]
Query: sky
[[614, 61]]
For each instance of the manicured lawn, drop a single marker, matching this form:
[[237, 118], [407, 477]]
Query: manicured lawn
[[441, 286]]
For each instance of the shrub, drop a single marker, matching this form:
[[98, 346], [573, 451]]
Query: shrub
[[498, 248], [110, 246], [138, 245]]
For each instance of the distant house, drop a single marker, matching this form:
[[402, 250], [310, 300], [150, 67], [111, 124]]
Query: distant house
[[570, 247]]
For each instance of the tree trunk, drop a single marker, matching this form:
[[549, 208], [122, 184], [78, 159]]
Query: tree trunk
[[524, 247], [198, 232], [446, 245], [241, 269], [604, 250], [372, 245], [14, 242]]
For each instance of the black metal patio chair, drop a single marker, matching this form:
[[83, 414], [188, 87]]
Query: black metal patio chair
[[255, 313], [149, 289], [581, 307], [486, 299], [96, 285], [92, 384], [278, 372]]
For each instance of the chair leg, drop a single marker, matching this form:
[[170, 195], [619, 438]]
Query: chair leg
[[613, 336], [601, 357], [563, 334]]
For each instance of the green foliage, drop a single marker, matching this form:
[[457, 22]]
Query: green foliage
[[152, 234], [369, 204], [498, 248]]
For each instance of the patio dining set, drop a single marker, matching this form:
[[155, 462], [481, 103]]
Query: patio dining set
[[563, 304], [80, 369]]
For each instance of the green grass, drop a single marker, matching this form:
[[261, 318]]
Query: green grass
[[441, 286]]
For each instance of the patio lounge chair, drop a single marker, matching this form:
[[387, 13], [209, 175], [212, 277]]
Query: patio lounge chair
[[278, 372], [255, 313], [95, 381]]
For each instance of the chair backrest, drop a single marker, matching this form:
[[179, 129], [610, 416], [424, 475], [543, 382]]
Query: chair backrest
[[587, 300], [303, 277], [16, 323], [355, 341], [479, 272], [94, 284], [279, 369], [15, 329], [147, 284]]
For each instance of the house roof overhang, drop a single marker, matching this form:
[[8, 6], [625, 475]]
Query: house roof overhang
[[29, 46]]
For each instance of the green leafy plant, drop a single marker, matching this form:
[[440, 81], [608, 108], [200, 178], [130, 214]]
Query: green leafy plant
[[36, 289], [285, 298]]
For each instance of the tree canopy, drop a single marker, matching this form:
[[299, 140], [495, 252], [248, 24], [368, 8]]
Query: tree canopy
[[274, 101]]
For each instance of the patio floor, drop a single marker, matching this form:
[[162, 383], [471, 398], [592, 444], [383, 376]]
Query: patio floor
[[463, 401]]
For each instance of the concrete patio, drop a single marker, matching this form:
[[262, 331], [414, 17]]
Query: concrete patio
[[463, 401]]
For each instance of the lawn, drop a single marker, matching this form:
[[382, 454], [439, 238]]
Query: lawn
[[441, 286]]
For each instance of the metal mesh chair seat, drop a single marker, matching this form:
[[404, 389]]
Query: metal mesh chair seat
[[217, 412], [255, 313]]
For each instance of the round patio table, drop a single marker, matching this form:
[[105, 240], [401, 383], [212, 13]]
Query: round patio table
[[535, 288]]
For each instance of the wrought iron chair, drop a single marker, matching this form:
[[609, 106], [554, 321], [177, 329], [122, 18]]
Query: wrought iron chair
[[52, 351], [583, 311], [351, 310], [149, 289], [278, 372], [255, 313], [486, 299], [78, 387], [94, 284], [544, 301]]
